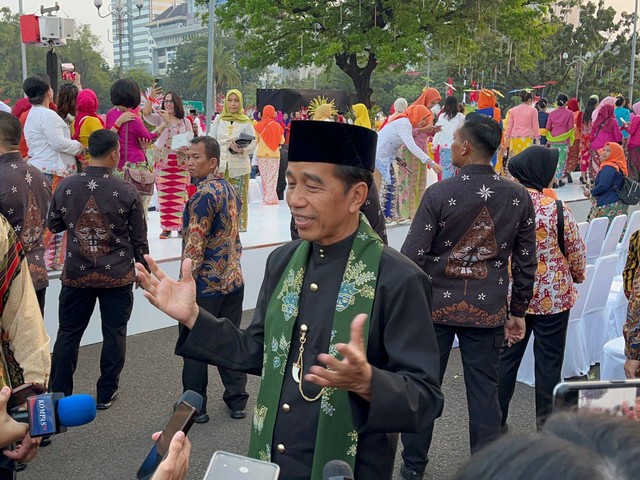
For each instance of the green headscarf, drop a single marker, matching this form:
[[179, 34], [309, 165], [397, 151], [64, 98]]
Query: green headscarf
[[234, 117]]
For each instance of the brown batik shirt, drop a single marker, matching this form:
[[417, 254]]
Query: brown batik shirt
[[25, 194], [468, 231], [107, 229]]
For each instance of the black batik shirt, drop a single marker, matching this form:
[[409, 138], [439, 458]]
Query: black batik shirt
[[25, 194], [107, 229], [468, 231]]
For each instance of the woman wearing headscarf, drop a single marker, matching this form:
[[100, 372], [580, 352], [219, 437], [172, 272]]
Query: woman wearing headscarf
[[603, 130], [86, 120], [399, 106], [605, 101], [361, 112], [172, 176], [610, 178], [390, 139], [633, 144], [554, 292], [587, 167], [522, 129], [323, 113], [235, 161], [573, 156], [270, 135], [412, 177], [560, 125]]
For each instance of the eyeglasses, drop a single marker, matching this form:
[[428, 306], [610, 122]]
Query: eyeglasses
[[169, 101]]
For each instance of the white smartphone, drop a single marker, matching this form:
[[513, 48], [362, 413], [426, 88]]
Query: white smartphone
[[229, 466]]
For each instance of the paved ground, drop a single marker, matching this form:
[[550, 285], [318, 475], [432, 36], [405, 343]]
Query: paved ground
[[113, 446]]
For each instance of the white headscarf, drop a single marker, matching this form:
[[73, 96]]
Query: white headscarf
[[400, 105]]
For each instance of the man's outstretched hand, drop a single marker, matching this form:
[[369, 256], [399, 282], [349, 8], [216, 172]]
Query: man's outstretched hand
[[353, 372], [175, 298]]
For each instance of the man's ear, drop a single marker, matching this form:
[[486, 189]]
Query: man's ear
[[359, 193]]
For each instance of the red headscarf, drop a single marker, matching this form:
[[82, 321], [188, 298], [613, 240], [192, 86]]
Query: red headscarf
[[573, 105], [616, 158], [415, 114], [606, 112], [270, 131], [86, 106]]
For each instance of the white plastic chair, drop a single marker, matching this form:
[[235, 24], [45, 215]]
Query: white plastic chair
[[613, 359], [633, 225], [616, 311], [582, 229], [595, 238], [593, 321], [575, 361], [613, 235]]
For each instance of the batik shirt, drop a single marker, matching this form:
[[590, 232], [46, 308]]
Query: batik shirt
[[632, 291], [212, 241], [25, 194], [463, 236], [107, 229], [554, 290]]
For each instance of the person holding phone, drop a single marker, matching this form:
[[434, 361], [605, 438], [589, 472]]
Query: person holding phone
[[172, 177], [235, 161]]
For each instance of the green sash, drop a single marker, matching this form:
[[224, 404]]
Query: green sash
[[563, 137], [336, 438]]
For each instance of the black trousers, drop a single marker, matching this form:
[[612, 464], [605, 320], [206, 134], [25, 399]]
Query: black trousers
[[548, 350], [41, 295], [74, 312], [195, 374], [480, 350], [282, 171]]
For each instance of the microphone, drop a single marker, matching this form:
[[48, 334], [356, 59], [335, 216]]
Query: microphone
[[52, 413], [337, 470]]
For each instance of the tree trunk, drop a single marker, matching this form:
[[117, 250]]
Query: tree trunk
[[360, 76]]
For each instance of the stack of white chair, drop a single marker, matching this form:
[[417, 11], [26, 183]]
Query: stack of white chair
[[613, 358], [594, 321], [595, 238], [576, 361], [582, 229], [610, 243], [616, 311], [623, 247]]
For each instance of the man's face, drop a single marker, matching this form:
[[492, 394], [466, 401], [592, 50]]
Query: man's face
[[459, 150], [324, 213], [114, 157], [198, 164]]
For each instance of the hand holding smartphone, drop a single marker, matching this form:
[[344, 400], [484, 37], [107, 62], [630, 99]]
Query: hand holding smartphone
[[229, 466]]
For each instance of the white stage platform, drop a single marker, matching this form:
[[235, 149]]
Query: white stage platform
[[268, 228]]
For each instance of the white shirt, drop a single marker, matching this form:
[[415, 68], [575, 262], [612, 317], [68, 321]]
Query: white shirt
[[390, 139], [444, 138], [49, 140]]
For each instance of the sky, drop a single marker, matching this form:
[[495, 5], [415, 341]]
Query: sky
[[85, 12]]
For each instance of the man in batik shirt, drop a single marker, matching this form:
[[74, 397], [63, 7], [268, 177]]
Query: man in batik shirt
[[212, 242], [632, 325]]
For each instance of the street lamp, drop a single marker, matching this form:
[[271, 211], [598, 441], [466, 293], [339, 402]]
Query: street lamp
[[119, 11], [579, 61]]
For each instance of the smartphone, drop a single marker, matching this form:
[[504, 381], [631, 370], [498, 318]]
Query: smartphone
[[182, 419], [20, 394], [68, 71], [158, 82], [229, 466], [618, 398]]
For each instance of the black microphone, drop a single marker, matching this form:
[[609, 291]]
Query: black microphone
[[52, 413], [337, 470]]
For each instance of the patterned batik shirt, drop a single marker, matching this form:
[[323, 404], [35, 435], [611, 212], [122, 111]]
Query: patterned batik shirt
[[554, 289], [107, 229], [25, 194], [465, 231], [631, 278], [212, 240]]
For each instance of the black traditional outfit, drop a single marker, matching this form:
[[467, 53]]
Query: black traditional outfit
[[107, 235], [401, 345], [470, 232], [25, 194]]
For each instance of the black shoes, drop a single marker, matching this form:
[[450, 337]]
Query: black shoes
[[201, 418], [569, 178], [407, 474], [107, 404], [238, 414]]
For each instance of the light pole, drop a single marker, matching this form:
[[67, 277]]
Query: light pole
[[579, 61], [23, 49], [634, 39], [119, 11], [211, 90]]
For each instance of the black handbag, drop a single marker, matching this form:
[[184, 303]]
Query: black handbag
[[629, 194]]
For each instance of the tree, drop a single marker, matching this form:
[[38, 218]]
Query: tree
[[361, 36], [225, 73], [142, 77]]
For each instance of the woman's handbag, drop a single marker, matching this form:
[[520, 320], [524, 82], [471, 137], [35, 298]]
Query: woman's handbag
[[142, 179], [629, 194]]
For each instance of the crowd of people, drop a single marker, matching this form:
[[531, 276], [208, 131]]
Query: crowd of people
[[351, 337]]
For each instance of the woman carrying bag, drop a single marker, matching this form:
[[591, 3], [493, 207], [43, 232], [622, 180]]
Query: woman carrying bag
[[608, 181]]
